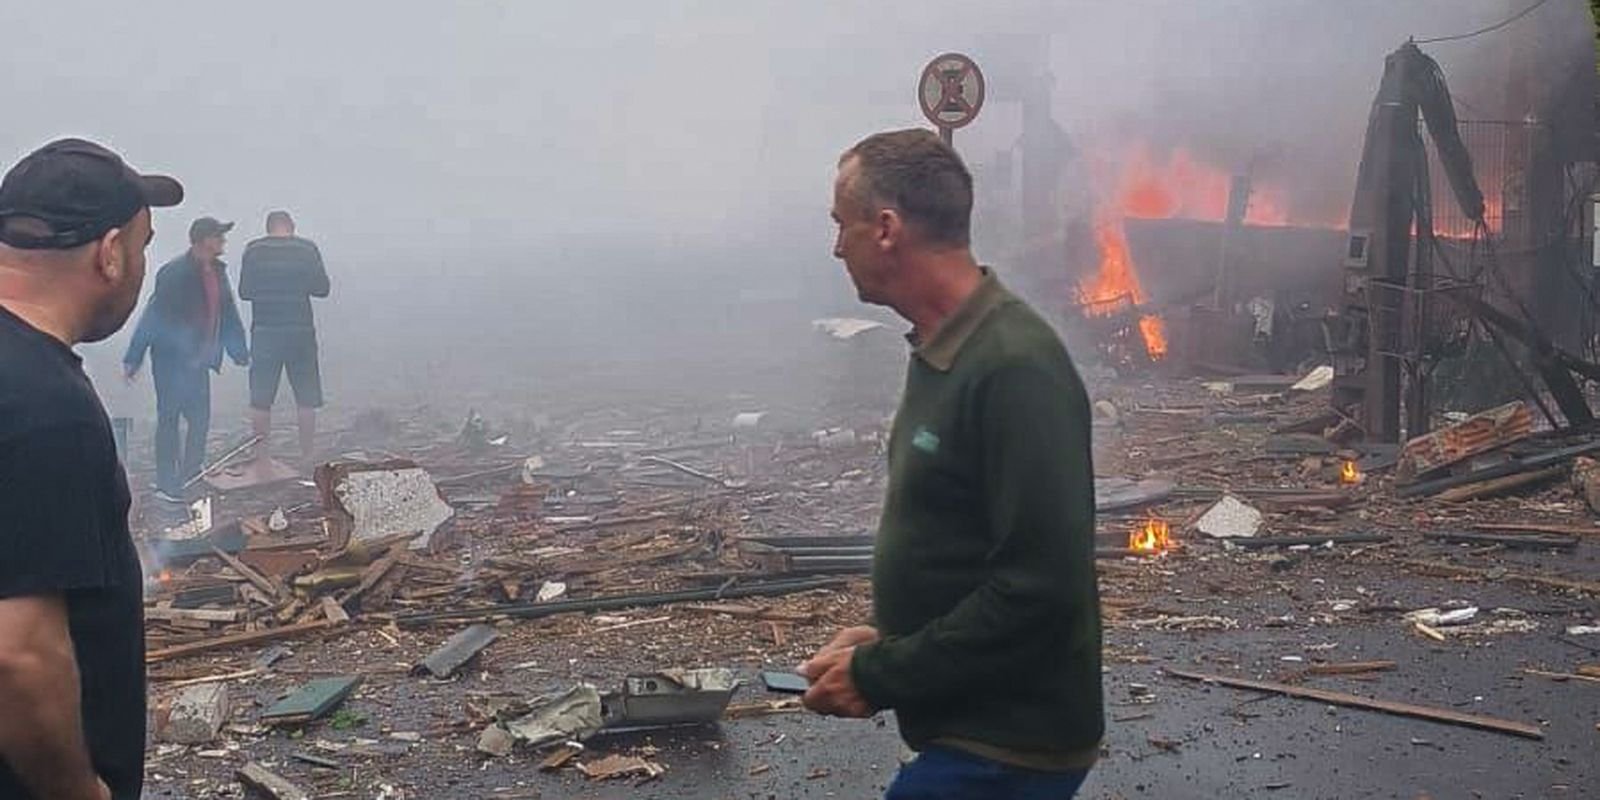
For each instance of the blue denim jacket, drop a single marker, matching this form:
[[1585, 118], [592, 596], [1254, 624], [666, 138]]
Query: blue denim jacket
[[168, 326]]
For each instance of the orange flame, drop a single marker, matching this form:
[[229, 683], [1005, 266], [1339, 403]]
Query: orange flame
[[1116, 284], [1348, 473], [1151, 537]]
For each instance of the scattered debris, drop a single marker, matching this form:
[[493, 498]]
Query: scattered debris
[[259, 778], [616, 766], [456, 651], [311, 701], [574, 714]]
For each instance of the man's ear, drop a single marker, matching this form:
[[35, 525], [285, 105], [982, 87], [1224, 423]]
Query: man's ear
[[109, 260], [890, 228]]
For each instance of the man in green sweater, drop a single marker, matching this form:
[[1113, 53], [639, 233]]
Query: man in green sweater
[[986, 641]]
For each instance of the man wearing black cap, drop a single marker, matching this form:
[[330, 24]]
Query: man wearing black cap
[[74, 224], [279, 274], [190, 320]]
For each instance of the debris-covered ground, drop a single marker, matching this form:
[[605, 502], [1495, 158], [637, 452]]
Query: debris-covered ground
[[1395, 657]]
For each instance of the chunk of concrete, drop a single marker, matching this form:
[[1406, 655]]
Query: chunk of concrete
[[196, 714], [1229, 518]]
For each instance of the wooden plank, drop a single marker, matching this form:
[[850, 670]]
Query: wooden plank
[[333, 611], [259, 778], [311, 700], [1350, 668], [1535, 527], [1369, 703], [256, 579], [1477, 434], [235, 640], [1495, 486], [166, 614], [373, 574]]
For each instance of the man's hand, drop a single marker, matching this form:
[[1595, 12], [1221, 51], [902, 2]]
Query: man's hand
[[851, 637], [130, 372], [833, 692]]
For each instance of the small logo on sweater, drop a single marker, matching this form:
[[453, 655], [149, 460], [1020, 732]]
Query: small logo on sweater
[[925, 440]]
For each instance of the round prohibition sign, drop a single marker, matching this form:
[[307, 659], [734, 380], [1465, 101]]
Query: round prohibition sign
[[951, 91]]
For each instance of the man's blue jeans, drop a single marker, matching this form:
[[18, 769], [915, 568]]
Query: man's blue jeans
[[940, 773]]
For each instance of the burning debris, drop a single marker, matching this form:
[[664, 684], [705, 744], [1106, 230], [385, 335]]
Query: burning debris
[[1151, 537]]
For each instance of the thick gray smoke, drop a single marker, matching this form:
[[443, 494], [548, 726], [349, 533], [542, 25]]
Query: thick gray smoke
[[531, 184]]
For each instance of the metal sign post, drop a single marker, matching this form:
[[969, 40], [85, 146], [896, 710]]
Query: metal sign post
[[951, 93]]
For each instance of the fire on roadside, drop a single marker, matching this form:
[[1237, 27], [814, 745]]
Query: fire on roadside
[[1349, 473], [1154, 536]]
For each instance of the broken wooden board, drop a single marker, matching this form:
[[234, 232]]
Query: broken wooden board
[[259, 778], [1369, 703], [311, 700], [619, 766], [1499, 486], [224, 642], [1350, 668], [167, 614], [256, 579], [251, 474], [456, 651], [1298, 444], [1117, 494], [1477, 434]]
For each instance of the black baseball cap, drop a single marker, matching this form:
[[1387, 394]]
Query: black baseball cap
[[207, 227], [74, 191]]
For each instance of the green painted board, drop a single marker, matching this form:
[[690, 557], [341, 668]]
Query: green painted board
[[311, 700]]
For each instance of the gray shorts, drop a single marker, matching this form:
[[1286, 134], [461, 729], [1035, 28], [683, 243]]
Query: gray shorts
[[274, 352]]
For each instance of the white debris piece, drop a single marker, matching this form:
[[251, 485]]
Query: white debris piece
[[845, 327], [1314, 380], [550, 590], [391, 502], [278, 522], [1583, 630], [748, 419], [200, 521], [1229, 518], [530, 469], [1435, 618]]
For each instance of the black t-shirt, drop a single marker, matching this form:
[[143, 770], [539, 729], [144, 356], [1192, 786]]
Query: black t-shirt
[[64, 529]]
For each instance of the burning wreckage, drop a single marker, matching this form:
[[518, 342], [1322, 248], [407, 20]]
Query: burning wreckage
[[437, 612]]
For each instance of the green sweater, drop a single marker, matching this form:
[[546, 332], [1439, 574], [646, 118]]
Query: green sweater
[[984, 578]]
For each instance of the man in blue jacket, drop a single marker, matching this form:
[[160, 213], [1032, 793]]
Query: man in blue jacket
[[190, 320]]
